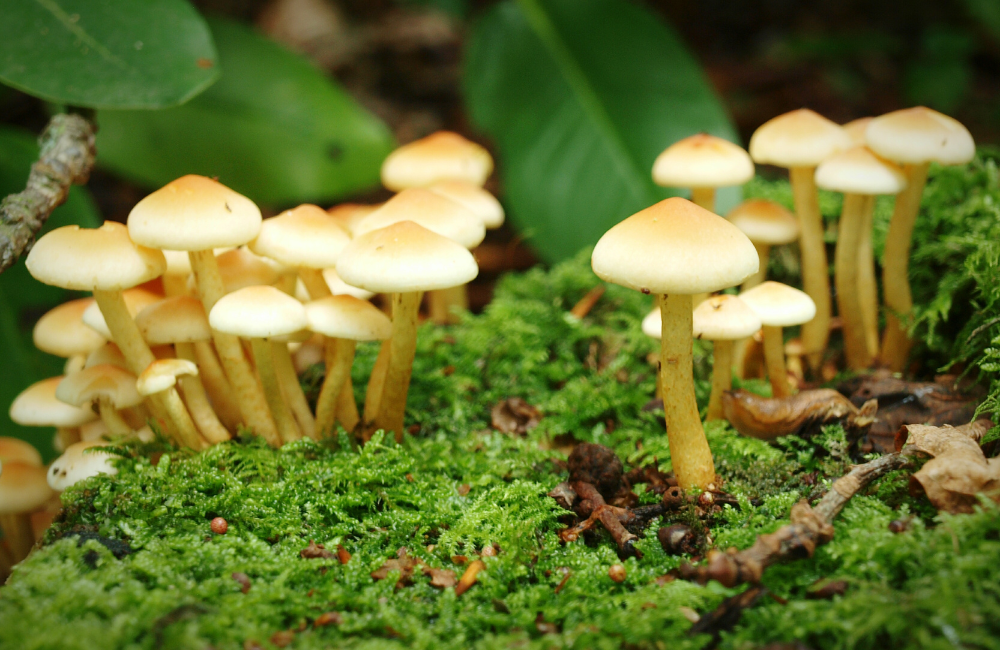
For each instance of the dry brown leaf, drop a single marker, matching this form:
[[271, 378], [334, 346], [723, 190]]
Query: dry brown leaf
[[441, 578], [315, 551], [402, 563], [767, 418], [514, 415]]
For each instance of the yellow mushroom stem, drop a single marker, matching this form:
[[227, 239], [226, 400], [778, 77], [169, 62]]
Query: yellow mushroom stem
[[763, 254], [248, 392], [376, 382], [112, 419], [347, 408], [704, 197], [197, 400], [722, 377], [292, 389], [397, 376], [846, 261], [67, 436], [174, 285], [213, 378], [339, 359], [166, 405], [689, 451], [774, 359], [867, 286], [264, 358], [444, 303], [815, 278], [18, 533], [895, 268], [314, 282]]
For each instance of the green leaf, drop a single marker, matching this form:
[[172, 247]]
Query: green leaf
[[581, 97], [22, 298], [273, 128], [106, 53]]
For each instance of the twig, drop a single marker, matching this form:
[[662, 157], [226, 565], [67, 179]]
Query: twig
[[593, 506], [66, 157]]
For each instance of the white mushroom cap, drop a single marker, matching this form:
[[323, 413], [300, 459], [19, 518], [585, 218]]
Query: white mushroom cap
[[93, 431], [724, 318], [107, 353], [702, 160], [483, 204], [136, 299], [101, 381], [765, 222], [77, 464], [346, 317], [919, 135], [241, 268], [438, 157], [801, 138], [258, 312], [652, 324], [338, 287], [178, 319], [37, 406], [62, 332], [859, 171], [779, 305], [162, 374], [304, 236], [430, 210], [23, 488], [347, 215], [856, 130]]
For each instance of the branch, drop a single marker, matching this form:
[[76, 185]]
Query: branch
[[66, 157]]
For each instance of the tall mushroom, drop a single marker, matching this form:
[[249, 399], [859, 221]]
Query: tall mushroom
[[778, 306], [703, 162], [800, 140], [914, 138], [722, 320], [767, 224], [675, 249]]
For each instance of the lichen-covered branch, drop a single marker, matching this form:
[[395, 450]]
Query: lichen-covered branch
[[66, 157]]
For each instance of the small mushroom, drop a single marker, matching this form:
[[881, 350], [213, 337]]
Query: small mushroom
[[62, 332], [80, 461], [766, 224], [440, 156], [722, 320], [163, 374], [111, 387], [23, 490], [703, 162], [38, 406], [778, 306]]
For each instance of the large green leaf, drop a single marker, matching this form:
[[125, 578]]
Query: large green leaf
[[22, 298], [581, 96], [273, 128], [106, 53]]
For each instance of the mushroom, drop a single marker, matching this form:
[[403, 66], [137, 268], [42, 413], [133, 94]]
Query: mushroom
[[136, 299], [722, 320], [111, 387], [23, 490], [175, 278], [440, 156], [37, 406], [197, 214], [860, 175], [17, 450], [404, 259], [79, 462], [800, 140], [914, 138], [348, 214], [239, 268], [106, 261], [675, 249], [766, 224], [703, 162], [340, 288], [165, 373], [778, 306], [62, 332], [261, 313]]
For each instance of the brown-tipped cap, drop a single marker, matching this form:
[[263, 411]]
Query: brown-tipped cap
[[405, 257], [674, 246], [480, 202], [88, 259], [240, 268], [37, 406], [23, 488], [162, 374], [107, 353], [702, 161], [430, 210], [440, 156], [304, 236], [179, 319], [919, 135], [724, 318], [765, 222], [78, 463], [340, 288], [136, 300], [345, 317], [347, 215], [856, 130], [801, 138], [779, 305], [63, 333], [194, 213], [258, 312], [100, 381], [859, 171], [15, 450]]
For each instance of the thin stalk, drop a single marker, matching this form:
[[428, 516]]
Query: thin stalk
[[774, 358], [217, 386], [67, 436], [289, 431], [315, 284], [815, 273], [722, 377], [846, 261], [338, 369], [197, 400], [704, 197], [867, 286], [347, 408], [444, 303], [763, 253], [292, 389], [376, 382], [18, 533], [111, 418], [397, 377]]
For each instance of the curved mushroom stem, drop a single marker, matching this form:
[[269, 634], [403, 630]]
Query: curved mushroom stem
[[763, 254], [249, 394], [867, 287], [347, 408], [217, 386], [18, 533], [815, 278], [704, 197], [339, 359], [444, 302], [722, 377], [689, 451], [397, 376], [895, 268], [315, 284], [264, 358], [194, 394], [774, 358], [67, 436], [292, 389], [846, 261], [74, 364], [112, 419], [376, 382]]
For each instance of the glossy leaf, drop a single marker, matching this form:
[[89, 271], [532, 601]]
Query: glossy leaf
[[580, 97], [106, 53], [273, 128], [22, 298]]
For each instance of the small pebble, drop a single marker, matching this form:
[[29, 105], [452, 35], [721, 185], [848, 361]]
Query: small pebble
[[219, 526], [617, 573]]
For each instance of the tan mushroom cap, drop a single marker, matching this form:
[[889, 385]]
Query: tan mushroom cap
[[62, 332], [652, 324], [801, 138], [178, 262], [136, 299], [856, 130], [194, 213], [431, 210], [438, 157], [765, 222], [347, 215], [103, 380], [107, 353], [779, 305], [859, 171], [674, 246], [724, 318], [303, 236], [405, 257], [78, 463], [179, 319], [258, 312], [480, 202], [15, 450], [88, 259], [346, 317], [240, 268], [162, 374], [23, 488], [93, 431], [702, 160], [340, 288], [919, 135], [37, 406]]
